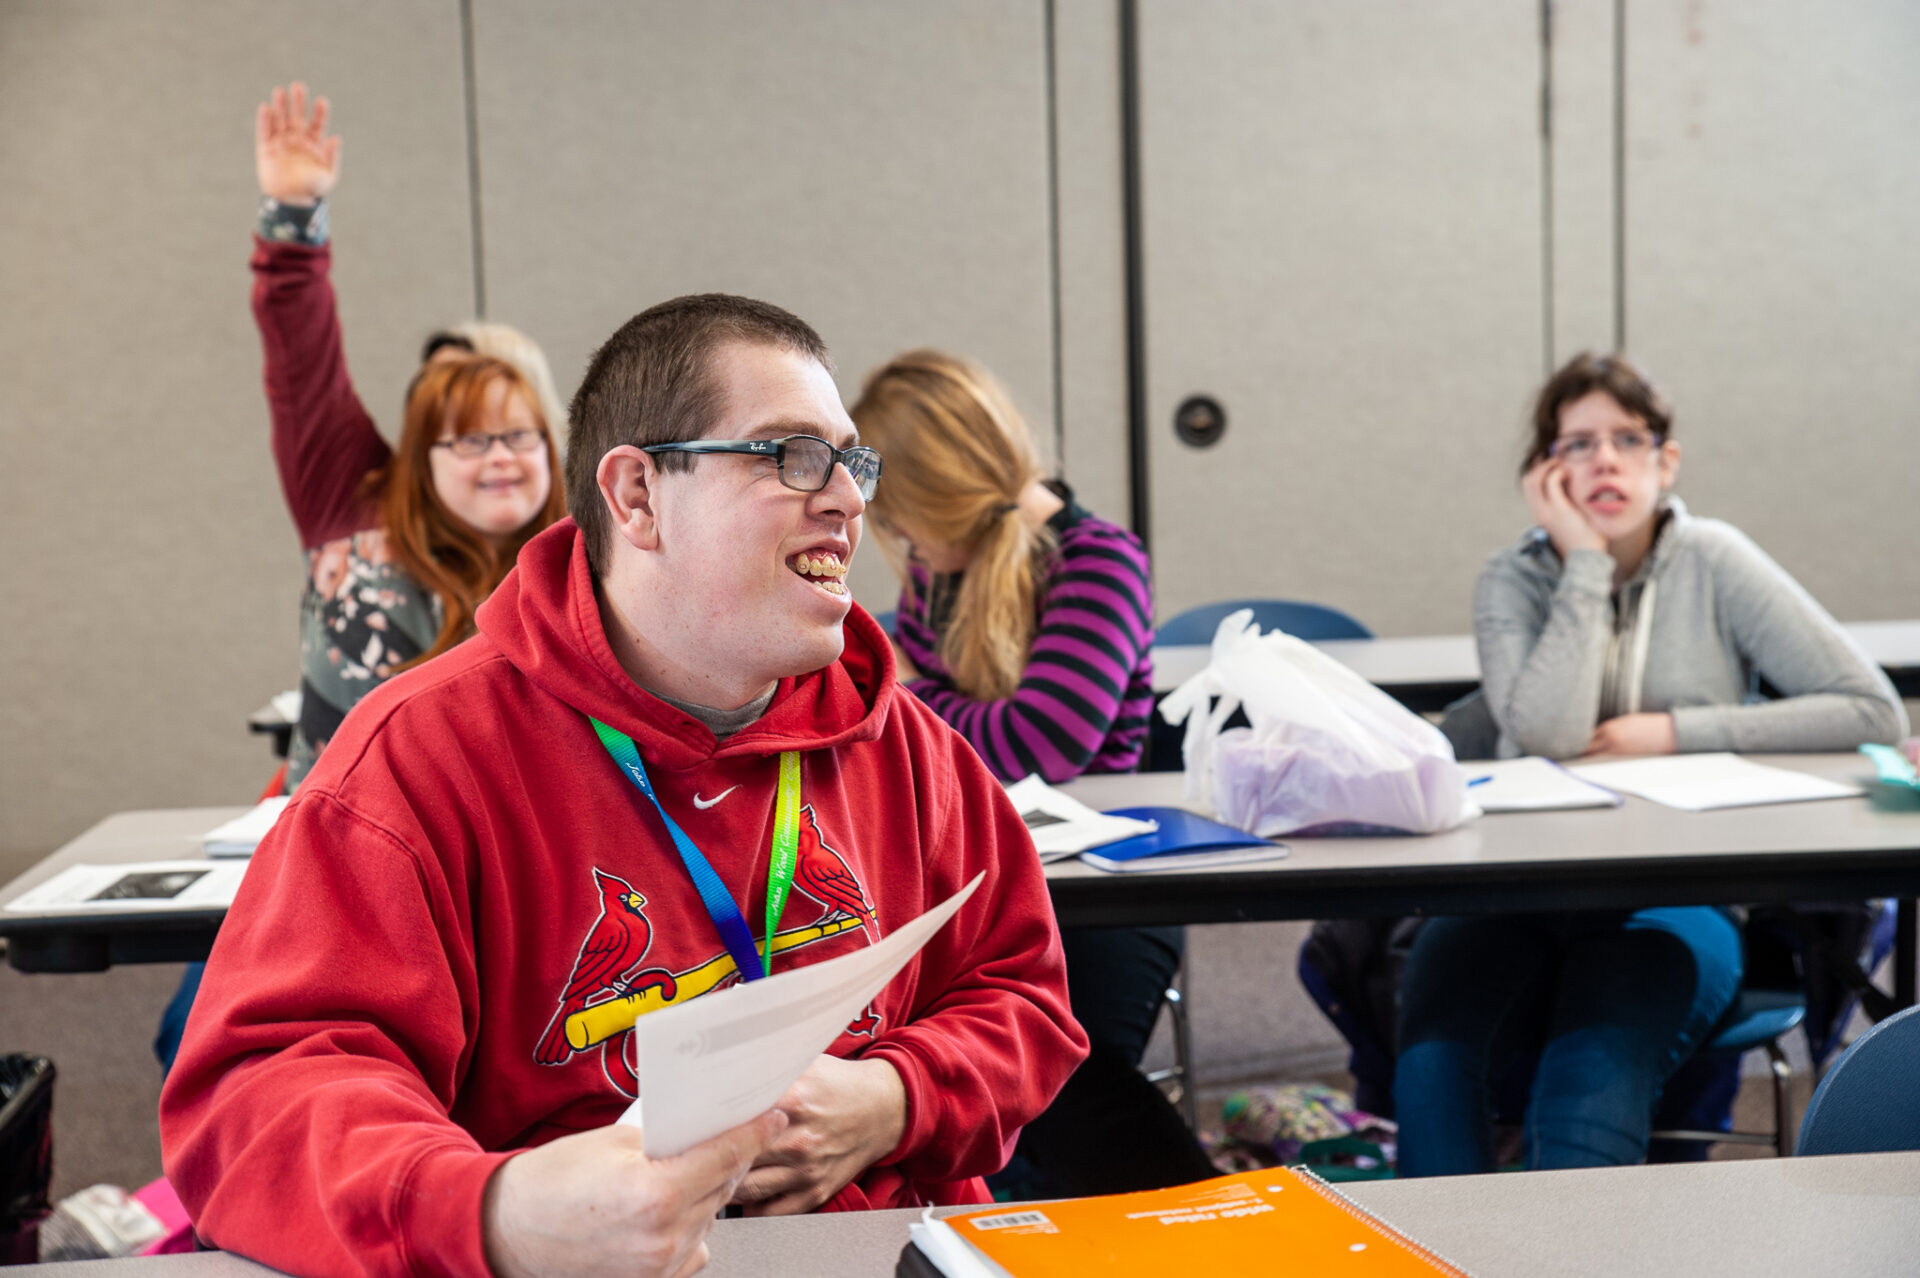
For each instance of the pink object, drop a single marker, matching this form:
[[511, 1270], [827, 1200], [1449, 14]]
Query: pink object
[[159, 1198]]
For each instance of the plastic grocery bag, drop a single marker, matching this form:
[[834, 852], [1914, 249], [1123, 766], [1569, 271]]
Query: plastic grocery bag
[[1327, 753]]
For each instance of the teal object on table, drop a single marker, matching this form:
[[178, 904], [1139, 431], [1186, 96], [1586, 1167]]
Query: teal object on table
[[1893, 767]]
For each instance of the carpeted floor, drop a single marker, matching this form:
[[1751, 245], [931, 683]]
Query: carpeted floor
[[98, 1030]]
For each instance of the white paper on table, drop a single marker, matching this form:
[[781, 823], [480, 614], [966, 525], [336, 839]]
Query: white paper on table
[[240, 836], [140, 887], [1062, 826], [712, 1064], [1699, 782], [1532, 785], [949, 1253]]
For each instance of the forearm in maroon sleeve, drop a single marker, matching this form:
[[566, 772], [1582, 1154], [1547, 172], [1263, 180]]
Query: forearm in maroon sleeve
[[324, 442]]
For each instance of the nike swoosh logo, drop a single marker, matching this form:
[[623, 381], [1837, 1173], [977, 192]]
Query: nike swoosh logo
[[704, 804]]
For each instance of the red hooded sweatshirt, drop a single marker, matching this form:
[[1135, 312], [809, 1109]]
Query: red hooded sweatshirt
[[384, 1017]]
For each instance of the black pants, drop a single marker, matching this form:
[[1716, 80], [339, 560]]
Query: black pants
[[1110, 1130]]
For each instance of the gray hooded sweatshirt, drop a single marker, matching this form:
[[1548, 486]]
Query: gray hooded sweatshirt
[[1703, 619]]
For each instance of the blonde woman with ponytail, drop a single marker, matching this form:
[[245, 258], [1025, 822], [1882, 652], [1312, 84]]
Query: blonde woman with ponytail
[[1026, 623]]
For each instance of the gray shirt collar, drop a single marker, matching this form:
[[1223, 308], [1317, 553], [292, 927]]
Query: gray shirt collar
[[722, 723]]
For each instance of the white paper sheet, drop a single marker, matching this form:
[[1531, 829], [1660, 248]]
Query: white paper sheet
[[1532, 785], [136, 887], [1700, 782], [714, 1063], [942, 1245], [1061, 825], [240, 836]]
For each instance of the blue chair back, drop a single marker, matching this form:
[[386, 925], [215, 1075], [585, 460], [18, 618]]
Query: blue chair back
[[1869, 1102], [1302, 620], [888, 621]]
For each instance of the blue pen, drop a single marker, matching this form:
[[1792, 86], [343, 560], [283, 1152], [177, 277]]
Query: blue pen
[[1479, 781]]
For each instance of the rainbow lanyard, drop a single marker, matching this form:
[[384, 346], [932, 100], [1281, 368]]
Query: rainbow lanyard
[[781, 858]]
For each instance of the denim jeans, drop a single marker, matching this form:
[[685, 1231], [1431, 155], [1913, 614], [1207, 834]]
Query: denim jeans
[[173, 1021], [1613, 1002]]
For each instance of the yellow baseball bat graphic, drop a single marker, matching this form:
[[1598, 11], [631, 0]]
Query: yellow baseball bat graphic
[[602, 1021]]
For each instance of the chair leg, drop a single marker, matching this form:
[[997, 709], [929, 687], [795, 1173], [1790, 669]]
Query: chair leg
[[1183, 1050], [1782, 1074]]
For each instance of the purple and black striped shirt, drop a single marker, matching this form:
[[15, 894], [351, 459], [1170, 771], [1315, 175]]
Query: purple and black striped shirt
[[1087, 691]]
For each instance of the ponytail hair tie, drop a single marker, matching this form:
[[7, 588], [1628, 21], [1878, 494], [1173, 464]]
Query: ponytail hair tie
[[1005, 508]]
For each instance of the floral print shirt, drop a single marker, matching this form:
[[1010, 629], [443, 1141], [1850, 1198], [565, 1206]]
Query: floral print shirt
[[362, 616]]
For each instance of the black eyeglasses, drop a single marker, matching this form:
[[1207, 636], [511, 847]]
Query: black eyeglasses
[[478, 443], [806, 462], [1629, 444]]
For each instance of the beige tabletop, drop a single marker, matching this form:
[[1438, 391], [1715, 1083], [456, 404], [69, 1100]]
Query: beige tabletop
[[1853, 1215], [1415, 659], [147, 834], [1634, 831], [1454, 660], [1636, 855], [97, 939]]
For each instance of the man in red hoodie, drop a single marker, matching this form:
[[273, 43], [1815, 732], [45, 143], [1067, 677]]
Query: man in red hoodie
[[415, 1029]]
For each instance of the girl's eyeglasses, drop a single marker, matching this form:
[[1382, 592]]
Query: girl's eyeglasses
[[478, 443], [1629, 444]]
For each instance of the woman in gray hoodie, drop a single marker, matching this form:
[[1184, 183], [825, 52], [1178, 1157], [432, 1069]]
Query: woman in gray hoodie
[[1618, 625]]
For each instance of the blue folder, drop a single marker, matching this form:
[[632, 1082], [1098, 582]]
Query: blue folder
[[1181, 833]]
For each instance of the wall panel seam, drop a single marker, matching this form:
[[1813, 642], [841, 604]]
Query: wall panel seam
[[471, 87]]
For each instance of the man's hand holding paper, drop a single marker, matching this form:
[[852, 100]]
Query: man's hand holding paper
[[843, 1116]]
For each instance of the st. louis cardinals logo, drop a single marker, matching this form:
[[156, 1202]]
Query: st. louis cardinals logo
[[605, 995], [616, 943]]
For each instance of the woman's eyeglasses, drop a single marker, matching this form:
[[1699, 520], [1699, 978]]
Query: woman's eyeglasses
[[806, 462], [478, 443], [1631, 445]]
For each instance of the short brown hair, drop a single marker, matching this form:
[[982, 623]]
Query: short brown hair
[[652, 383], [1585, 373]]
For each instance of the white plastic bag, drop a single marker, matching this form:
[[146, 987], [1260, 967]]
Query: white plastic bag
[[1327, 750]]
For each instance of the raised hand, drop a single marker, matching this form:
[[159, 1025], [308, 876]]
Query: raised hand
[[1551, 503], [297, 162]]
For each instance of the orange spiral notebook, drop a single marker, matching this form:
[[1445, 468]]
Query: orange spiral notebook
[[1281, 1220]]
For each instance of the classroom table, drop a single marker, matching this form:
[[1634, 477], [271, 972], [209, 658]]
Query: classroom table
[[94, 942], [1856, 1214], [1618, 858], [1640, 854], [270, 721], [1425, 672], [1636, 855]]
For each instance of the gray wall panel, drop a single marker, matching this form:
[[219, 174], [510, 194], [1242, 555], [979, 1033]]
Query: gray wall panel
[[880, 169], [1774, 278], [1343, 243], [1583, 105], [151, 573], [1093, 317]]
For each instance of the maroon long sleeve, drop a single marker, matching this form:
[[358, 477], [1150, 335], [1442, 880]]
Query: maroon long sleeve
[[324, 442]]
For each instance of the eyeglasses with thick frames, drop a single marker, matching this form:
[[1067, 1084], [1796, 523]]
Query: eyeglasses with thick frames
[[1628, 444], [479, 443], [806, 462]]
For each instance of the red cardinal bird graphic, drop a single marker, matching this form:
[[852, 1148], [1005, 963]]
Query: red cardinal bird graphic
[[619, 939], [822, 875]]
